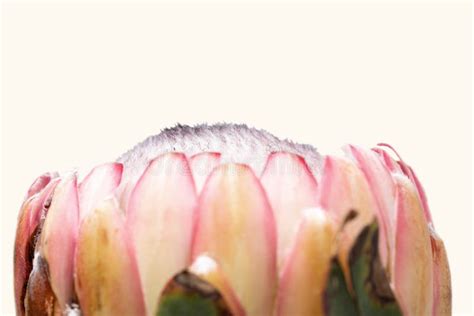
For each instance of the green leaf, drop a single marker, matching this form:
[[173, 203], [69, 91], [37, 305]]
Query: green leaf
[[187, 294], [371, 285], [184, 305], [337, 299]]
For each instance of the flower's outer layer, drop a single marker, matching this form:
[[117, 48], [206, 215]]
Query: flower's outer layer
[[226, 219]]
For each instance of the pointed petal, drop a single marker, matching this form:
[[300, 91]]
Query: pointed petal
[[290, 188], [40, 183], [441, 278], [412, 286], [58, 239], [27, 228], [401, 167], [107, 281], [384, 191], [441, 290], [160, 221], [306, 273], [123, 193], [343, 188], [422, 195], [202, 165], [389, 162], [97, 185], [236, 227], [39, 212], [208, 269]]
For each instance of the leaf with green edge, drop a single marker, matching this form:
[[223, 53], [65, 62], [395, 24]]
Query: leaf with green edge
[[371, 285], [337, 299], [187, 294]]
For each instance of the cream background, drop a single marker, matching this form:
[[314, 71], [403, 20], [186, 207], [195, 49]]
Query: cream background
[[83, 83]]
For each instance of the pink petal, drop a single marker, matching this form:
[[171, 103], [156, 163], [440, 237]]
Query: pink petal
[[202, 165], [422, 195], [236, 227], [413, 258], [97, 185], [440, 273], [160, 221], [343, 188], [401, 166], [58, 239], [28, 222], [306, 273], [390, 163], [40, 183], [107, 280], [290, 188], [44, 201], [384, 191]]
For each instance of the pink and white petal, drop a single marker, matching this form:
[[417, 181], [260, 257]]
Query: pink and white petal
[[343, 188], [423, 198], [40, 210], [209, 270], [389, 162], [40, 183], [58, 239], [97, 185], [407, 171], [202, 165], [401, 164], [413, 250], [236, 227], [160, 220], [124, 192], [306, 272], [291, 188], [106, 275], [383, 189]]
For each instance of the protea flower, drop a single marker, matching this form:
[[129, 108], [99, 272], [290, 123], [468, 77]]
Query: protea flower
[[229, 220]]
